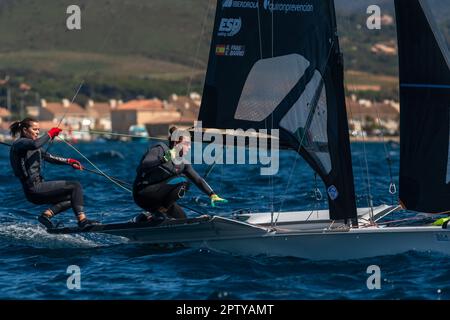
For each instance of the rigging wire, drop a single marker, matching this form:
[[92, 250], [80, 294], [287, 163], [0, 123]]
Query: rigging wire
[[352, 121], [317, 193], [125, 183], [259, 32], [197, 51], [361, 165], [318, 197], [271, 200], [392, 186], [112, 179], [92, 164], [105, 39], [119, 134], [369, 195], [98, 172], [127, 135], [365, 165], [309, 118], [5, 144], [271, 180], [65, 113], [71, 101]]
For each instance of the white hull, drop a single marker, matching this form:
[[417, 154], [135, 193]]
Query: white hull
[[353, 244], [231, 236], [311, 220]]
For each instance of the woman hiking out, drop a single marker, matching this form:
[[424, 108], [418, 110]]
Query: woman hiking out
[[26, 156]]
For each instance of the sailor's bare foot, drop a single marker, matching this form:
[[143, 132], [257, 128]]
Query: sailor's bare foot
[[48, 213]]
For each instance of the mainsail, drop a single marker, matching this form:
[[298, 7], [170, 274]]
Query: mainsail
[[425, 102], [277, 65]]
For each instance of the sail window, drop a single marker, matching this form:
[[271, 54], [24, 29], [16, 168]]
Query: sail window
[[268, 83], [307, 120]]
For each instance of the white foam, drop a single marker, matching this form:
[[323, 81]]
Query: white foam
[[35, 236]]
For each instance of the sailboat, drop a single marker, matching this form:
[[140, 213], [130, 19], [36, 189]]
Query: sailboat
[[278, 65]]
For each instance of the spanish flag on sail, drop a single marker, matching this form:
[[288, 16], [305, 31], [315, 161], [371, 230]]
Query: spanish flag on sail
[[220, 50]]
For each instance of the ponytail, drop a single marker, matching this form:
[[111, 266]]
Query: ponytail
[[171, 131], [18, 126], [14, 128]]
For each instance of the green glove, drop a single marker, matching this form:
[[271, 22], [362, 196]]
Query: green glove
[[215, 198], [170, 155], [440, 222]]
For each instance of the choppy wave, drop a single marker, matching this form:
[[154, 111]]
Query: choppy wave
[[33, 262], [26, 234]]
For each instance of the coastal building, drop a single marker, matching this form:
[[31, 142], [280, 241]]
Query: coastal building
[[188, 106], [75, 119], [373, 118], [388, 49], [4, 115], [100, 114], [156, 115], [73, 114]]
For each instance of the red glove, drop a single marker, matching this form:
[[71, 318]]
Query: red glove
[[53, 132], [75, 164]]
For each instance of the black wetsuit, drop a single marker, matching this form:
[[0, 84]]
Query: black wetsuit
[[26, 158], [160, 184]]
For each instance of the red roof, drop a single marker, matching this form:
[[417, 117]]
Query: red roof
[[382, 110], [100, 109], [24, 87], [59, 108], [142, 105], [47, 125], [4, 112], [188, 108]]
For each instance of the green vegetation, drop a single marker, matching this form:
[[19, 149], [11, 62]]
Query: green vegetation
[[125, 48], [157, 29], [357, 41], [153, 48]]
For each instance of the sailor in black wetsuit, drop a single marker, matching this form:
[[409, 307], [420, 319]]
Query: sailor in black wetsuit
[[26, 158], [160, 182]]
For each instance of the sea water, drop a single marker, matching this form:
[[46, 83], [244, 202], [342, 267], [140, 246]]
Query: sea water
[[34, 264]]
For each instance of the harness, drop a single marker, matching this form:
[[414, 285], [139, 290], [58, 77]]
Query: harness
[[161, 173], [22, 169]]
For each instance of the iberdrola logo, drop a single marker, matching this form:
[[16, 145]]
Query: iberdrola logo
[[227, 3]]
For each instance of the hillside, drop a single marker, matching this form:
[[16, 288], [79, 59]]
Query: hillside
[[150, 28], [153, 48], [440, 8], [346, 7], [125, 48]]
